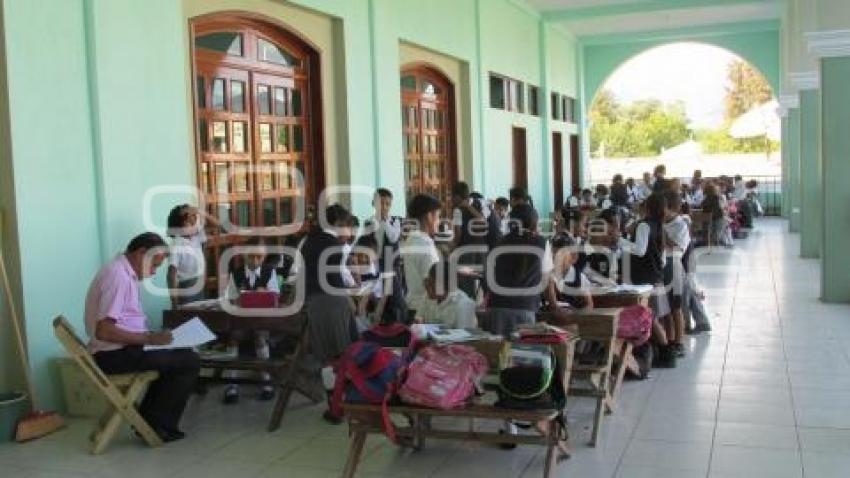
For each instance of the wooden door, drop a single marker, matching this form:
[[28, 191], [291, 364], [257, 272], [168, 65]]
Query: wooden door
[[428, 133], [258, 125], [520, 158], [558, 167], [575, 163]]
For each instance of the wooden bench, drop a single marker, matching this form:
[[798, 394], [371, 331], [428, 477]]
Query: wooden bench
[[601, 377]]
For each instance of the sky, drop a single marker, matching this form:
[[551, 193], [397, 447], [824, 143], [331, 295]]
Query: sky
[[692, 72]]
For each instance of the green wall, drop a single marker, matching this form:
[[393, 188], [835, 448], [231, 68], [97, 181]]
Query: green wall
[[100, 101]]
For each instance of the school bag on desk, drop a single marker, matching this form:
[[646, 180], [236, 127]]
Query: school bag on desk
[[443, 377], [531, 380]]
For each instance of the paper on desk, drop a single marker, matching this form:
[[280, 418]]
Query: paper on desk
[[188, 335], [632, 289]]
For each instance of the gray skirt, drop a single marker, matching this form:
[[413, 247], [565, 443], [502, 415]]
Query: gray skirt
[[504, 322], [332, 326]]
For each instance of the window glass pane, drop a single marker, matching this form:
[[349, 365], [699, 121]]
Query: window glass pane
[[430, 89], [266, 180], [438, 120], [282, 136], [203, 135], [239, 136], [218, 94], [237, 96], [518, 96], [265, 138], [556, 106], [219, 136], [280, 101], [269, 212], [240, 177], [224, 42], [408, 82], [286, 210], [298, 138], [404, 119], [243, 213], [298, 179], [283, 179], [205, 178], [224, 213], [295, 106], [497, 92], [267, 51], [221, 178], [263, 99], [201, 92]]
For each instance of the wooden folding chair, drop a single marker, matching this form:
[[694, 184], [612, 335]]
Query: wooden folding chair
[[121, 392], [598, 372]]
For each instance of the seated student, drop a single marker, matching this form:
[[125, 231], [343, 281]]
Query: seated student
[[497, 221], [419, 253], [518, 278], [574, 201], [599, 261], [250, 272], [453, 308], [678, 240], [187, 268], [602, 199], [587, 199], [518, 196], [330, 313], [643, 263], [118, 331], [571, 284]]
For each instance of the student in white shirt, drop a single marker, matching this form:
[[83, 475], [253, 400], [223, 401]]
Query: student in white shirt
[[644, 189], [187, 269], [451, 307], [385, 228], [678, 238], [419, 253], [574, 201], [571, 284]]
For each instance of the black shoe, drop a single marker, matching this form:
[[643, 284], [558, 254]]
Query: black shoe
[[231, 395], [506, 446], [331, 418], [702, 328], [678, 349], [168, 435], [666, 357], [267, 393]]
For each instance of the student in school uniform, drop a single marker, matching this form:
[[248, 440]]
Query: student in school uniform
[[632, 191], [643, 263], [118, 332], [330, 312], [452, 307], [187, 264], [574, 201], [251, 272], [659, 182], [588, 201], [470, 235], [518, 195], [644, 189], [419, 253], [619, 192], [385, 228], [677, 241], [571, 284], [603, 201], [517, 278]]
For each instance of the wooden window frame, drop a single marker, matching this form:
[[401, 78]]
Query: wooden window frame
[[513, 92]]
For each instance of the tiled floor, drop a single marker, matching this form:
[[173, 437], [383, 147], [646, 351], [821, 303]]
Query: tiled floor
[[765, 395]]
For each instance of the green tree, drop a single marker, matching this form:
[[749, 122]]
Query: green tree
[[746, 89], [641, 128]]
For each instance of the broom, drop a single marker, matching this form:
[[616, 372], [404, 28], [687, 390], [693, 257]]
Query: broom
[[37, 423]]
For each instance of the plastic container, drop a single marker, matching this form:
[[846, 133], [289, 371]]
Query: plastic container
[[13, 406]]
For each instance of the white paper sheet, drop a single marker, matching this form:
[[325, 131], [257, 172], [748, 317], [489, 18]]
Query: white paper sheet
[[188, 335]]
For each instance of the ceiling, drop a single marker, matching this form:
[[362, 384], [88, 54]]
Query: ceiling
[[603, 17]]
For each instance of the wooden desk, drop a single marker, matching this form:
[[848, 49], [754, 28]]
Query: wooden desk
[[367, 419], [284, 372], [622, 300]]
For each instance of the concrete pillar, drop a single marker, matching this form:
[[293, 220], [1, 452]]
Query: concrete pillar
[[811, 190]]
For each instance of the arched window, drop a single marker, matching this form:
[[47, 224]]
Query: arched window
[[257, 123], [428, 128]]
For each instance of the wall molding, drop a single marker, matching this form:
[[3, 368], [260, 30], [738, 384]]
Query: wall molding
[[805, 80], [788, 102], [829, 43]]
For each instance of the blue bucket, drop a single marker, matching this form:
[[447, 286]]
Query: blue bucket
[[13, 407]]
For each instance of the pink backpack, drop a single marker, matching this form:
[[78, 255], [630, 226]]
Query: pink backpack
[[635, 324], [443, 377]]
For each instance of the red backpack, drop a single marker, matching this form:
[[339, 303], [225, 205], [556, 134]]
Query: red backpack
[[635, 324], [443, 377]]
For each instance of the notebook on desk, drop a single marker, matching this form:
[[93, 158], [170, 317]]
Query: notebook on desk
[[258, 299]]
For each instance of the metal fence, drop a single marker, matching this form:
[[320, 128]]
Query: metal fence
[[769, 191]]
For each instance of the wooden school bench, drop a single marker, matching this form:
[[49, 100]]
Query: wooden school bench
[[365, 419], [283, 372]]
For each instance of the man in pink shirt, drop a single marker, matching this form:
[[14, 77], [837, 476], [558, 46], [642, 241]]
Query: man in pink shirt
[[118, 332]]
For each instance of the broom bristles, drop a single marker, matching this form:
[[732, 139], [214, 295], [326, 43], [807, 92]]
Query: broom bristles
[[38, 424]]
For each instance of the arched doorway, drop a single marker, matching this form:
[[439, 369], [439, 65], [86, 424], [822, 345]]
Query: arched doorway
[[428, 132], [258, 132]]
